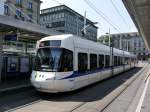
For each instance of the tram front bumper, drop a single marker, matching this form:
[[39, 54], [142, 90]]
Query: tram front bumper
[[44, 86]]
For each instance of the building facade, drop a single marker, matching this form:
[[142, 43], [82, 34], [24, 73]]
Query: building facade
[[25, 10], [131, 42], [22, 10], [64, 19], [17, 44]]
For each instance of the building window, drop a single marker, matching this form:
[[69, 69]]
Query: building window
[[30, 46], [18, 2], [134, 43], [82, 62], [6, 9], [18, 12], [30, 16], [30, 5]]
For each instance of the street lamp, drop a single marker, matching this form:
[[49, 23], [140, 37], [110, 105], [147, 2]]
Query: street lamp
[[108, 33], [83, 30], [111, 49]]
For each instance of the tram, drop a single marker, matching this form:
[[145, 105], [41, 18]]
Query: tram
[[67, 62]]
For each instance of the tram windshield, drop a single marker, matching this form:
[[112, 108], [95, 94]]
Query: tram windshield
[[54, 60]]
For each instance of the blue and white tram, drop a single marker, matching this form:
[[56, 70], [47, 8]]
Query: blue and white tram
[[66, 63]]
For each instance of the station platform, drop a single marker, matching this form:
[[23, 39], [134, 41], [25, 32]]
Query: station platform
[[136, 98]]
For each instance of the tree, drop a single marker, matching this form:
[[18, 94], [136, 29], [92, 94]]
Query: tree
[[105, 39]]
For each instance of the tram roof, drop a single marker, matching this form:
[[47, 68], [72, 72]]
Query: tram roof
[[81, 42]]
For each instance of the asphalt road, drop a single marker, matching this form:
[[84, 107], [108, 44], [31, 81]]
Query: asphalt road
[[31, 101]]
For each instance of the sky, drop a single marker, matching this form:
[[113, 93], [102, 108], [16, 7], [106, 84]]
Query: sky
[[105, 6]]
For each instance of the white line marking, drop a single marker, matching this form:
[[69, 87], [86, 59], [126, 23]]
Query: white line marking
[[138, 109]]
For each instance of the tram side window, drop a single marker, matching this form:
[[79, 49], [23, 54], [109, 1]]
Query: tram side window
[[93, 61], [82, 62], [115, 60], [122, 60], [119, 60], [67, 61], [101, 61], [107, 61], [130, 60], [126, 60]]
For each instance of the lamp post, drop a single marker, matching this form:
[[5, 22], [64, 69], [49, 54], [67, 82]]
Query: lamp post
[[127, 45], [111, 48], [120, 45], [83, 30]]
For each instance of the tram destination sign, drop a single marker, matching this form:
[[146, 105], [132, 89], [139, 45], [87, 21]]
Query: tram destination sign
[[55, 43]]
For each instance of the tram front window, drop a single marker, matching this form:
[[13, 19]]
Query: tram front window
[[53, 60]]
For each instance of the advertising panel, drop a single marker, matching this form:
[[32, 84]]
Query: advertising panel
[[24, 65], [12, 64]]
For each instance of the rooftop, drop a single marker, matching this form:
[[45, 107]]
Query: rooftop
[[64, 7]]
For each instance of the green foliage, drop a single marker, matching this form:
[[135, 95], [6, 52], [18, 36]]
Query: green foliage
[[105, 39]]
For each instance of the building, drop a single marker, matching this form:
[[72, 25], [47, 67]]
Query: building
[[64, 19], [25, 10], [19, 30], [14, 39], [17, 46], [131, 42]]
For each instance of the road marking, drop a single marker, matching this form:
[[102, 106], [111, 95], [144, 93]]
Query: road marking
[[138, 109]]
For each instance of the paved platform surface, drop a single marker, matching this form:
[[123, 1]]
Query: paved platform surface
[[130, 99]]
